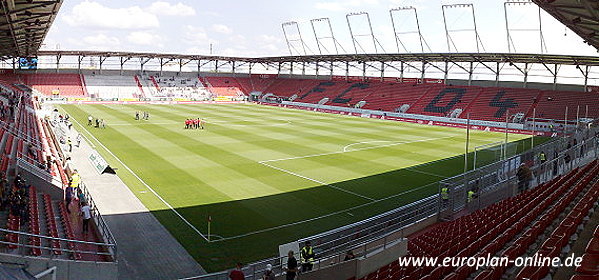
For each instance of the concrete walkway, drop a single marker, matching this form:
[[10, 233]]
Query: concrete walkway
[[146, 250]]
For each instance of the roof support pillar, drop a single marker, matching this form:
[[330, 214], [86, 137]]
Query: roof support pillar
[[401, 69], [382, 71], [446, 72], [79, 60], [470, 71], [497, 75], [555, 77], [303, 68], [291, 68], [525, 72], [142, 62], [317, 68], [586, 78], [363, 70], [279, 69], [102, 59], [123, 61], [58, 56], [216, 66], [331, 73], [346, 70], [161, 64], [423, 70]]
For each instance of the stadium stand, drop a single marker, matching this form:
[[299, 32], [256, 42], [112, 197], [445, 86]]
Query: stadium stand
[[255, 83], [179, 87], [518, 221], [61, 84], [30, 214], [551, 105], [222, 86], [482, 103], [103, 86]]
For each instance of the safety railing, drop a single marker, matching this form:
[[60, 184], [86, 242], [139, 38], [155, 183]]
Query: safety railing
[[100, 223], [22, 244], [499, 180], [255, 271]]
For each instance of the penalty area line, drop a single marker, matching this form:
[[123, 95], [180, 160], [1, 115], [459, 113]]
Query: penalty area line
[[317, 181]]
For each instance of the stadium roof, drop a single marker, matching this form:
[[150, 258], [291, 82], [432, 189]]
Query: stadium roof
[[581, 16], [24, 25], [406, 57]]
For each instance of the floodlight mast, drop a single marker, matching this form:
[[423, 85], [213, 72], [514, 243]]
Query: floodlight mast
[[510, 40], [397, 32], [290, 41], [448, 31], [354, 37], [332, 35]]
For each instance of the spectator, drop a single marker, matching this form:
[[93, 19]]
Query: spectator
[[81, 197], [87, 215], [68, 197], [291, 266], [307, 257], [349, 256], [268, 274], [237, 274], [524, 176]]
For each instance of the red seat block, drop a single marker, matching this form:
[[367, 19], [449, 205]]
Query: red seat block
[[589, 265]]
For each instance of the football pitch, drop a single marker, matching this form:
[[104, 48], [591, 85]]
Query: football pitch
[[268, 175]]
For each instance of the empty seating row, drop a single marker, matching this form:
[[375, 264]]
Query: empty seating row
[[56, 84], [70, 234], [34, 223], [488, 230], [51, 223]]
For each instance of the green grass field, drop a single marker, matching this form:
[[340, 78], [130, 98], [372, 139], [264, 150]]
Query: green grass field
[[269, 175]]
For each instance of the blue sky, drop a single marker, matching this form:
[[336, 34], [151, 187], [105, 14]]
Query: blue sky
[[253, 28]]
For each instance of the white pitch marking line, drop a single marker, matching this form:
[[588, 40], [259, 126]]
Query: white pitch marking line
[[346, 148], [427, 173], [324, 216], [145, 184], [314, 180], [356, 150]]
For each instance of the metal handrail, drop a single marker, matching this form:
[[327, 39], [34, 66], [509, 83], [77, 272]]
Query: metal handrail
[[100, 222], [254, 271], [49, 238]]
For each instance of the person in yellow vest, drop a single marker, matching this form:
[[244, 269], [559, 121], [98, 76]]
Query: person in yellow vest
[[445, 195], [471, 195], [307, 257], [75, 180]]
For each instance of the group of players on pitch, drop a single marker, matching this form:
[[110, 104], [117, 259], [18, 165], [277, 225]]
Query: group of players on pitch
[[194, 123]]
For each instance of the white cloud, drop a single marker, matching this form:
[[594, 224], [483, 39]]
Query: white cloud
[[95, 42], [221, 28], [195, 35], [101, 39], [145, 38], [93, 14], [337, 6], [269, 39], [168, 9]]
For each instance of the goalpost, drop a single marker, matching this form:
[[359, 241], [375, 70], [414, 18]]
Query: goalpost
[[494, 150]]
